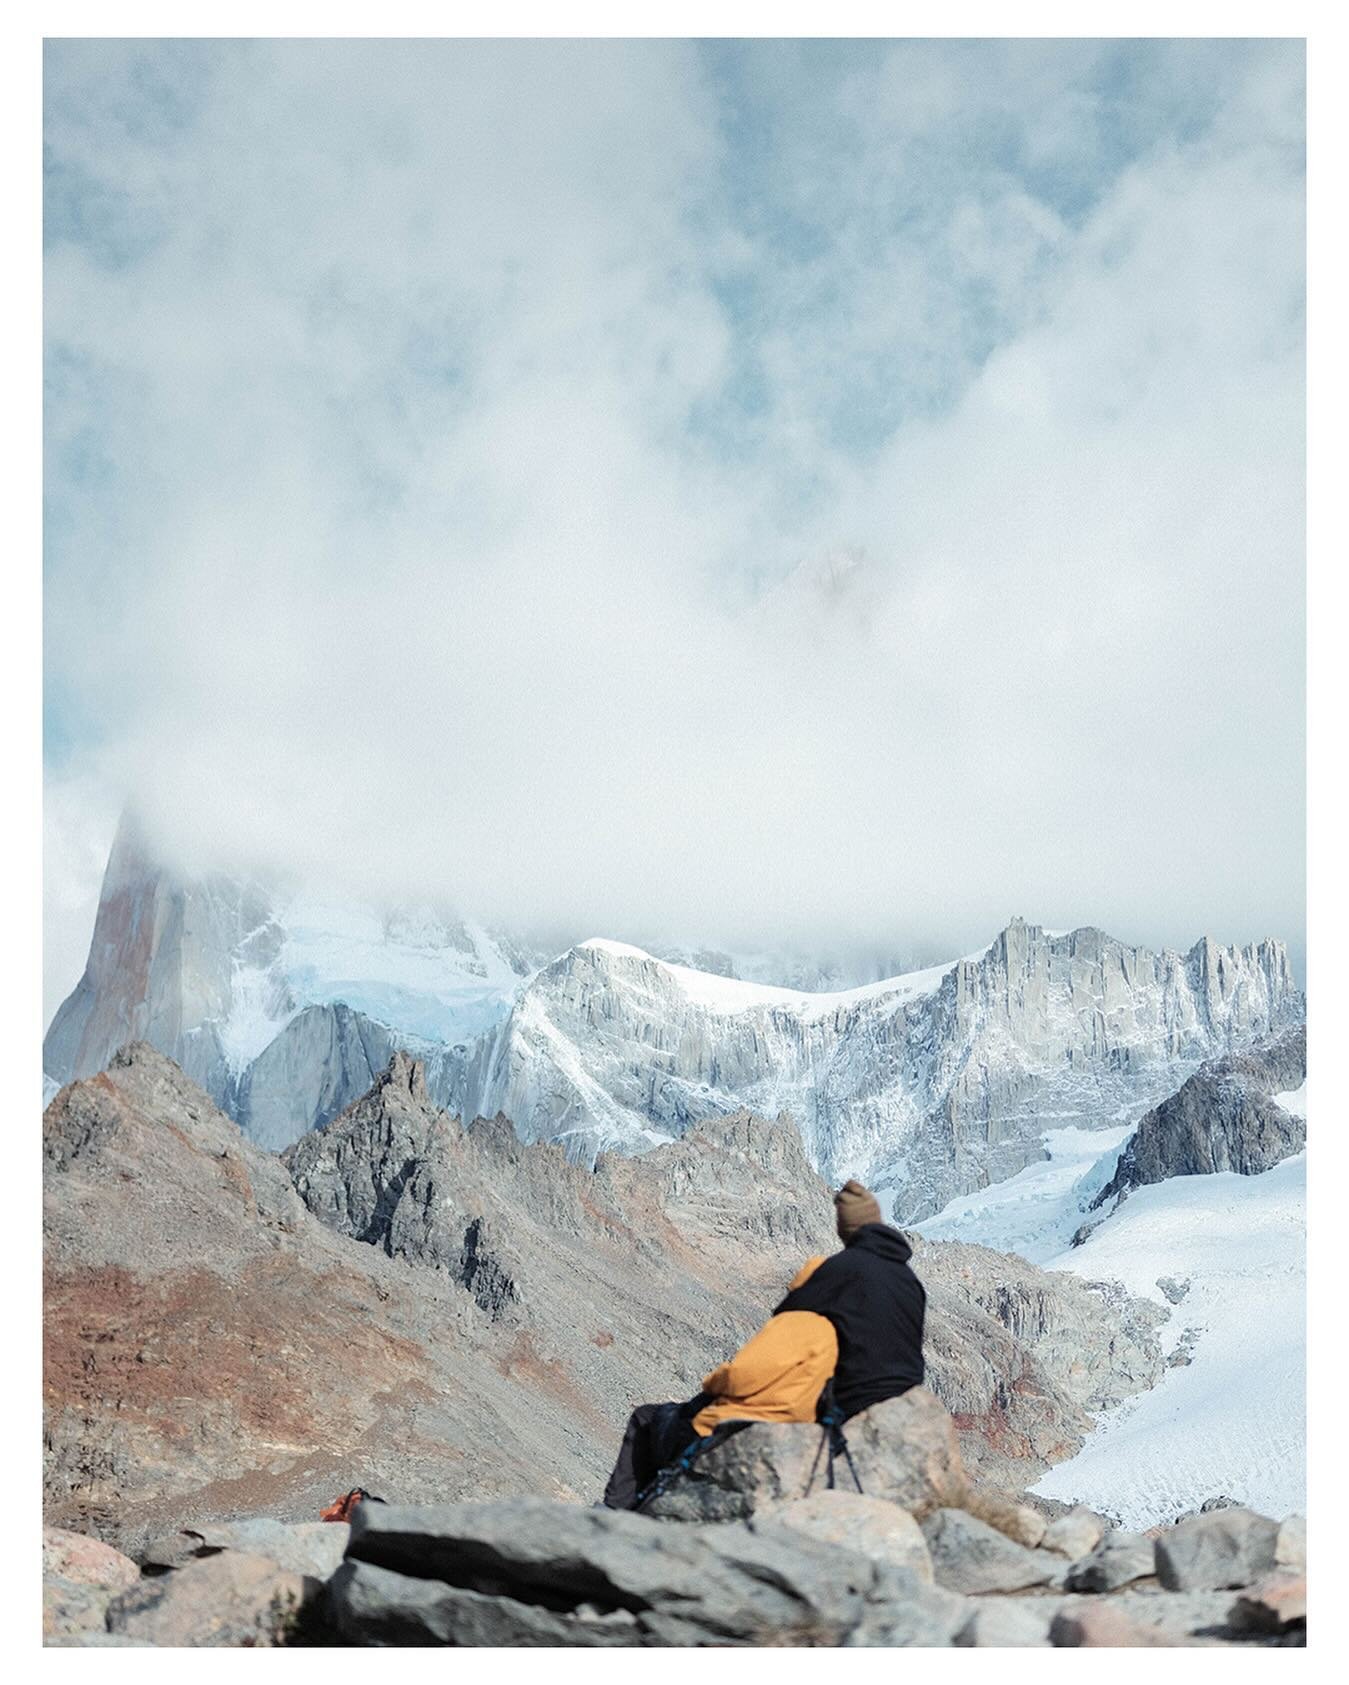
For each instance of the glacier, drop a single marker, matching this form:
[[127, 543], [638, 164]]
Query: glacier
[[1228, 1417]]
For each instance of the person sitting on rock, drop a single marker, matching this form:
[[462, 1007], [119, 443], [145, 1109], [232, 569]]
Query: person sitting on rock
[[855, 1317], [777, 1376], [874, 1301]]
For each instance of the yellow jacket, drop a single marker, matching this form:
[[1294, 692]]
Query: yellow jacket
[[778, 1375]]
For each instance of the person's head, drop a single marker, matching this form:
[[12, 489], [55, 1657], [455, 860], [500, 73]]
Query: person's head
[[854, 1208]]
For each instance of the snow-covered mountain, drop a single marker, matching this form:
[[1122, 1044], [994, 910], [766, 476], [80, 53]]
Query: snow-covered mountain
[[931, 1084], [928, 1085]]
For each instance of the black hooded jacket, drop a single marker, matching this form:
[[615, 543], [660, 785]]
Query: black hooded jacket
[[876, 1304]]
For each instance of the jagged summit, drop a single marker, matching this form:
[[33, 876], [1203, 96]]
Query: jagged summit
[[932, 1083]]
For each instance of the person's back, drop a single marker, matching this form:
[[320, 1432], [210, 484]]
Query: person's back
[[875, 1302]]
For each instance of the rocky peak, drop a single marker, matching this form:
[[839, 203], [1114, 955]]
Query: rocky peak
[[1224, 1117], [406, 1075]]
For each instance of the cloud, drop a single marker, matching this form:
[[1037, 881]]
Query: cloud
[[743, 493]]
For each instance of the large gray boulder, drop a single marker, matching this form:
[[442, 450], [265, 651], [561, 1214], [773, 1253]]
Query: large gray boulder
[[905, 1450], [1008, 1623], [315, 1548], [233, 1600], [1074, 1535], [528, 1573], [1118, 1560], [971, 1557], [871, 1527], [1225, 1548]]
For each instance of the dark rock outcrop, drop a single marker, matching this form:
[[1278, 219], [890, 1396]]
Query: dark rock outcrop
[[1024, 1359], [1224, 1117]]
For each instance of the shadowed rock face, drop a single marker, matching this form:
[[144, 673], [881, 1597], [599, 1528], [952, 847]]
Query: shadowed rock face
[[438, 1312], [1223, 1118], [160, 969]]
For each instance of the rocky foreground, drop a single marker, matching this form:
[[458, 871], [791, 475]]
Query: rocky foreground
[[753, 1549]]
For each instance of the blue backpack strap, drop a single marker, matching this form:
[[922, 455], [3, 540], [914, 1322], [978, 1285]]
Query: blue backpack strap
[[685, 1461]]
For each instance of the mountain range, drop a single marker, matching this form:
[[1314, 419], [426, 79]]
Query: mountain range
[[928, 1085]]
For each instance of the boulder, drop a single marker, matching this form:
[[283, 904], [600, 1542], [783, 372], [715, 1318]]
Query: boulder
[[524, 1572], [80, 1560], [80, 1577], [370, 1605], [1290, 1548], [1118, 1560], [1277, 1603], [911, 1616], [872, 1527], [172, 1550], [315, 1548], [1220, 1549], [1104, 1625], [1074, 1535], [1016, 1520], [970, 1556], [231, 1600], [1007, 1623], [1176, 1617], [904, 1450], [72, 1609]]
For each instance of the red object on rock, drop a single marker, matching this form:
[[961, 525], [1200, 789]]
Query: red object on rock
[[340, 1509]]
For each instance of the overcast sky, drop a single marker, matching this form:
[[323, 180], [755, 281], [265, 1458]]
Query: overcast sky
[[752, 492]]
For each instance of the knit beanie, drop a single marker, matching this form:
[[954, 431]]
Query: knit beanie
[[854, 1208]]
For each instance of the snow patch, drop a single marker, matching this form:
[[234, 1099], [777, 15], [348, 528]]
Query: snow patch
[[731, 995], [260, 1008], [441, 984], [1037, 1211], [1232, 1420], [1294, 1100]]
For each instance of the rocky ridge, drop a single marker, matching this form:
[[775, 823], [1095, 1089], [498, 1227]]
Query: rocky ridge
[[1023, 1358], [930, 1086], [446, 1312]]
